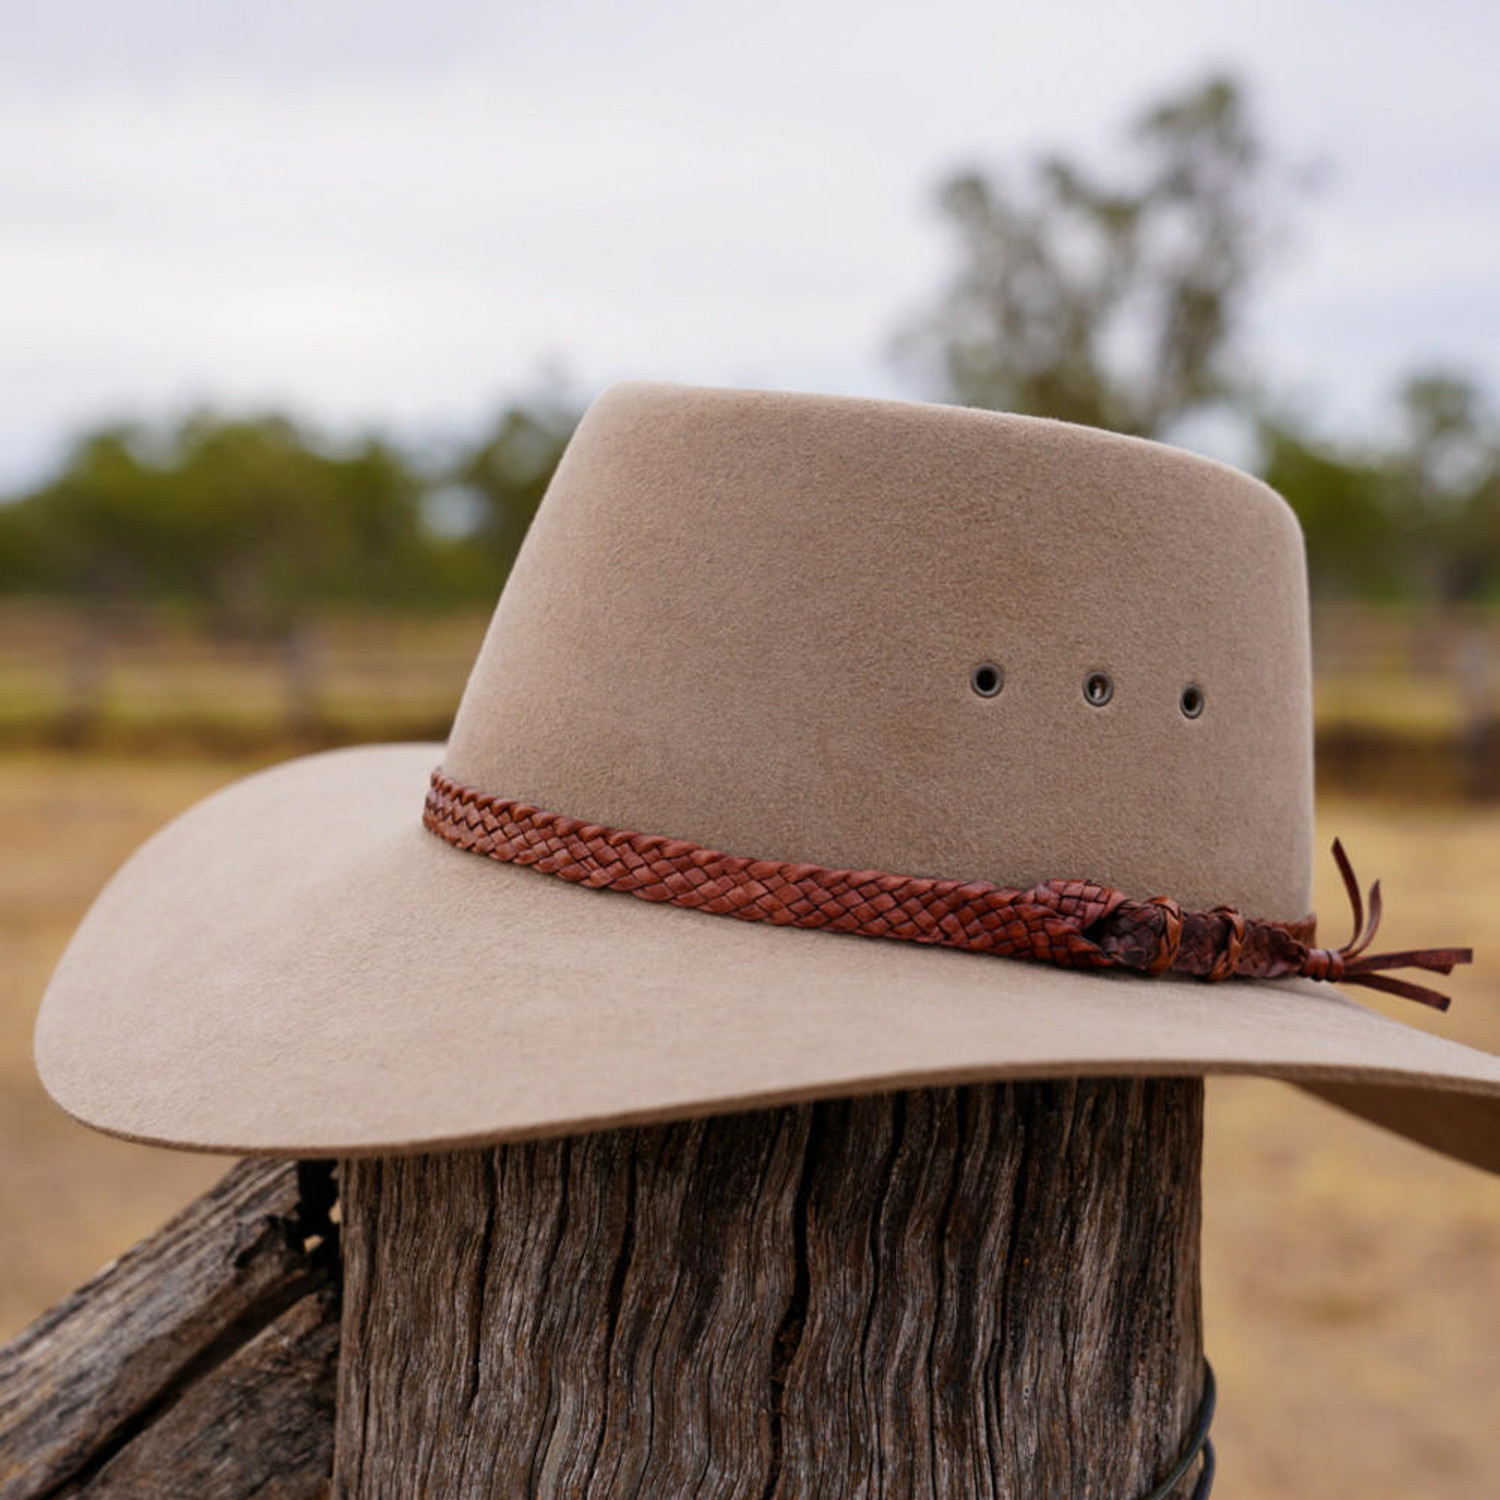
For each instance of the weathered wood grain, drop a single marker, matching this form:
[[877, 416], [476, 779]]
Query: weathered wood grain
[[201, 1363], [259, 1424], [978, 1292]]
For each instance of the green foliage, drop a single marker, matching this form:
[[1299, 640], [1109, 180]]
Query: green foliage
[[1104, 302], [510, 469], [1418, 517], [245, 521], [1341, 500], [252, 524], [1446, 477]]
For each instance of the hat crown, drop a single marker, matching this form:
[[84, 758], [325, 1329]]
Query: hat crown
[[924, 639]]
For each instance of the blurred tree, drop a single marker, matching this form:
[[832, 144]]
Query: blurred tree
[[1417, 517], [1341, 498], [508, 471], [1480, 536], [21, 551], [1445, 476], [92, 530], [1110, 303], [247, 522]]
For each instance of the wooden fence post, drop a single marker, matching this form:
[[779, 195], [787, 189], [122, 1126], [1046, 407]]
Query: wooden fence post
[[202, 1363], [981, 1292]]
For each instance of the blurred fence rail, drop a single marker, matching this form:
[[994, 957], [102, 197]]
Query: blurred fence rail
[[149, 680], [1446, 662], [1406, 698]]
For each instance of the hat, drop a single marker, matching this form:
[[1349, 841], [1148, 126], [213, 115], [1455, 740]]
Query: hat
[[993, 731]]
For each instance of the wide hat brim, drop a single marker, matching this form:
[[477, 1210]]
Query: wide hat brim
[[297, 966]]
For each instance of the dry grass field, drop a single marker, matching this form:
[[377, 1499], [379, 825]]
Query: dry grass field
[[1352, 1280]]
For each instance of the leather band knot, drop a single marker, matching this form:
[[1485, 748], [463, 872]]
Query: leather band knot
[[1353, 965], [1323, 963]]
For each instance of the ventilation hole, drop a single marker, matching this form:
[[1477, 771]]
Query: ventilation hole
[[987, 679], [1192, 700], [1098, 688]]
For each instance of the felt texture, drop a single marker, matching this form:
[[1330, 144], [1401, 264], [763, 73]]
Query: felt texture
[[749, 619], [297, 966]]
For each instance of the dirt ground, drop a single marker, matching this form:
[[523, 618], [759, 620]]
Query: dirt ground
[[1352, 1281]]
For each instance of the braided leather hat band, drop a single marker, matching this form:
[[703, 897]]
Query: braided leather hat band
[[1077, 924]]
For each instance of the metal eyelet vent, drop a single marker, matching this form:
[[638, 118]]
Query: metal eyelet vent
[[1098, 688], [987, 679], [1192, 701]]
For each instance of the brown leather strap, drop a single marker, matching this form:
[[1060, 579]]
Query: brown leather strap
[[1078, 924]]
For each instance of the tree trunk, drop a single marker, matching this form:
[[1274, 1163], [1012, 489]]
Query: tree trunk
[[975, 1292]]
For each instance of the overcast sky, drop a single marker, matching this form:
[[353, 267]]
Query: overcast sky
[[400, 213]]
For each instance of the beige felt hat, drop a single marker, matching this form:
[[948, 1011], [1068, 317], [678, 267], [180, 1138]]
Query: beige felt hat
[[825, 635]]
